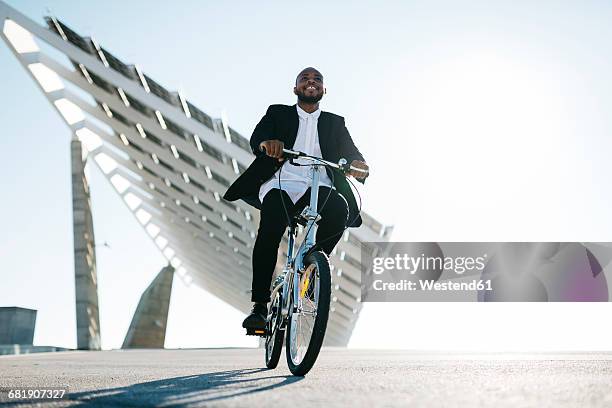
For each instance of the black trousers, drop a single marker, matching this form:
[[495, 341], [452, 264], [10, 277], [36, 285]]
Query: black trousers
[[273, 224]]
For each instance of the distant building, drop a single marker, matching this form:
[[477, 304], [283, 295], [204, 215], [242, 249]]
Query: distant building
[[17, 325]]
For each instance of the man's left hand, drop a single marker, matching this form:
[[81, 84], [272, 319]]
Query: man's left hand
[[358, 174]]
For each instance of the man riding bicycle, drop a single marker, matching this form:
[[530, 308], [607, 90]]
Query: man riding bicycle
[[303, 127]]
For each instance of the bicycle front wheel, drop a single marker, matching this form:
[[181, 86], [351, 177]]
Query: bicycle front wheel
[[308, 315]]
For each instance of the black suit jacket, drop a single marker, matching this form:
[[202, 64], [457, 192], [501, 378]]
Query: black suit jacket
[[281, 122]]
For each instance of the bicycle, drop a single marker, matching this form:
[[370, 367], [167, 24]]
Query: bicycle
[[300, 298]]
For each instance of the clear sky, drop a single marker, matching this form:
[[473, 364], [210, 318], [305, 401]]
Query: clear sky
[[484, 121]]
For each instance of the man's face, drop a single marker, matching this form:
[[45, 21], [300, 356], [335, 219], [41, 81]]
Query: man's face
[[309, 86]]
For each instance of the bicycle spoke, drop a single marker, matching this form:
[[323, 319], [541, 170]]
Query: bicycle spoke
[[303, 320]]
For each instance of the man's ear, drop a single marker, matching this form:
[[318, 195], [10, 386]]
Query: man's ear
[[295, 90]]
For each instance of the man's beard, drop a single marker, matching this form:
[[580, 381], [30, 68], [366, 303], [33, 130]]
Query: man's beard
[[309, 99]]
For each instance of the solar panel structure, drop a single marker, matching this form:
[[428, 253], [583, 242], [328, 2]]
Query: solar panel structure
[[170, 163]]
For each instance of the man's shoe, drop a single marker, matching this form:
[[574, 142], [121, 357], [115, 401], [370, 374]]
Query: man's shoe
[[257, 318]]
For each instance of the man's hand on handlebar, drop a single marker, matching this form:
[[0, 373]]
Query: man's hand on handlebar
[[358, 174], [273, 148]]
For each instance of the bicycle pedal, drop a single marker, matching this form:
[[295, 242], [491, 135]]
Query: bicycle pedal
[[256, 332]]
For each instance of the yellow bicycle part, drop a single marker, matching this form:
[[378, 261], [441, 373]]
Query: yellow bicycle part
[[305, 280]]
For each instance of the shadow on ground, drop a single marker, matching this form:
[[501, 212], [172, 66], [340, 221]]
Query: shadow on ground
[[185, 391]]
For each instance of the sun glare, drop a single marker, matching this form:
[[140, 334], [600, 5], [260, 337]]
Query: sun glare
[[20, 38]]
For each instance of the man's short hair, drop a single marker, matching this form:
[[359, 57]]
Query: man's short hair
[[306, 70]]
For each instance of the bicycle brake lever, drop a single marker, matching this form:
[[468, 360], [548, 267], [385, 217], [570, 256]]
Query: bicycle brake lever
[[344, 166]]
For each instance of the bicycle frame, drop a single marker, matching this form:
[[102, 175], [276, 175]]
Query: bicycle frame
[[294, 264]]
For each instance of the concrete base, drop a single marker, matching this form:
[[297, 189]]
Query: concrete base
[[6, 349], [148, 327]]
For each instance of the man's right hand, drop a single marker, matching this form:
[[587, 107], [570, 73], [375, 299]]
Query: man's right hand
[[273, 148]]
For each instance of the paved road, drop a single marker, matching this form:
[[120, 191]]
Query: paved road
[[234, 378]]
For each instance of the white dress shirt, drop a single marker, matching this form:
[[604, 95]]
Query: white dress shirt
[[295, 180]]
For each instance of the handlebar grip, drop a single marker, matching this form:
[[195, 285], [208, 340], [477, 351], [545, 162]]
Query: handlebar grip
[[292, 153], [286, 152], [346, 167], [357, 169]]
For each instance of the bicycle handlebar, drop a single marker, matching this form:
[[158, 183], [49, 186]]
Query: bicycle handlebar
[[342, 164]]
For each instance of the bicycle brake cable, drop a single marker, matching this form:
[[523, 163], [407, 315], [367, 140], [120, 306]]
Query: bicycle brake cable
[[326, 198], [318, 244], [280, 191], [354, 218]]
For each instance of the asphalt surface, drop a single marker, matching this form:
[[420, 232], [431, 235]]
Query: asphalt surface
[[341, 377]]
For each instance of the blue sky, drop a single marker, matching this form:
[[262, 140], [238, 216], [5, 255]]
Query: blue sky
[[481, 121]]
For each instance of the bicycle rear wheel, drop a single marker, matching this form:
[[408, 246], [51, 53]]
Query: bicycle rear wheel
[[307, 325], [274, 336]]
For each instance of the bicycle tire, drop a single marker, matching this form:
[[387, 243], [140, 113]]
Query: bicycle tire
[[275, 336], [321, 262]]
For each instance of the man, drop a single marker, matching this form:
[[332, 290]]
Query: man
[[303, 127]]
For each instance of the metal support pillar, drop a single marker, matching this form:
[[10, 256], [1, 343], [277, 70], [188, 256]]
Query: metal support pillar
[[85, 275]]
